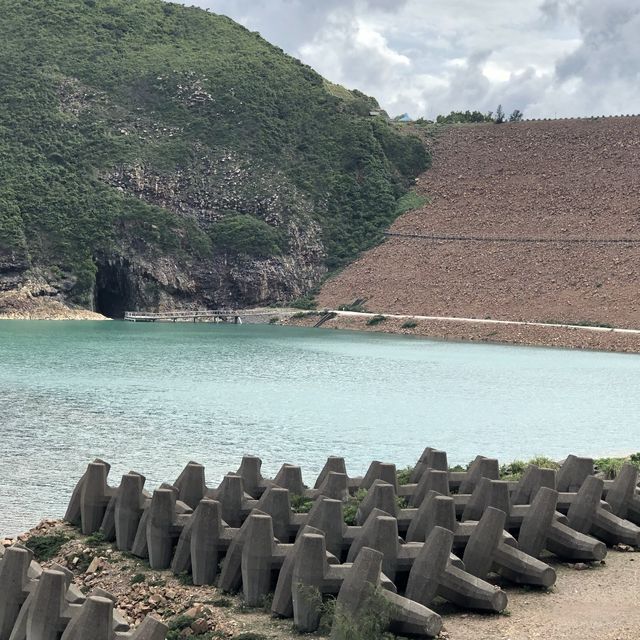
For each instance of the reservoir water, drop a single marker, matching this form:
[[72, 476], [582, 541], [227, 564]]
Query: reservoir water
[[152, 397]]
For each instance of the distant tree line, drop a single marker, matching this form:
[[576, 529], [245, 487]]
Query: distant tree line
[[465, 117]]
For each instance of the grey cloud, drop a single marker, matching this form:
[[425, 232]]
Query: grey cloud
[[545, 57], [611, 42]]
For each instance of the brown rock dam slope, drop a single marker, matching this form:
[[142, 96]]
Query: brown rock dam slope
[[534, 209]]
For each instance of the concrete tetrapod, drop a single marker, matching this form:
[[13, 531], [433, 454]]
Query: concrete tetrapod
[[587, 516], [282, 604], [539, 525], [380, 532], [485, 552], [357, 598], [130, 502], [164, 527], [424, 562], [73, 514], [14, 587], [439, 511], [622, 494], [290, 477], [236, 504], [250, 472], [204, 539], [310, 571], [572, 474], [541, 530], [433, 575], [94, 621]]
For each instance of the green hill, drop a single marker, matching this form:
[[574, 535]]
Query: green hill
[[154, 155]]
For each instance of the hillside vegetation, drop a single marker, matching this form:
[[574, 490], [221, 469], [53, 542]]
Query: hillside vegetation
[[181, 154]]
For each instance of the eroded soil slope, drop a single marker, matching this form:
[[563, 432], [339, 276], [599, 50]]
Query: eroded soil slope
[[555, 180]]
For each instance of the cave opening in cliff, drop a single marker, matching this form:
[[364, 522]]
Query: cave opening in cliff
[[114, 293]]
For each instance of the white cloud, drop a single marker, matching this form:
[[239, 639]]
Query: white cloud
[[545, 57]]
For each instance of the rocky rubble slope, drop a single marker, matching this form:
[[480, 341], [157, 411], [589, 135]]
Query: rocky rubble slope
[[546, 180]]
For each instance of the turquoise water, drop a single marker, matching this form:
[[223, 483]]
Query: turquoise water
[[153, 397]]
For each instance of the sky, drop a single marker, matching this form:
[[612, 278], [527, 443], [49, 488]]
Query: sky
[[548, 58]]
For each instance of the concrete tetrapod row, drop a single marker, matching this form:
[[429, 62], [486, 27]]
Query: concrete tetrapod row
[[189, 527], [38, 604]]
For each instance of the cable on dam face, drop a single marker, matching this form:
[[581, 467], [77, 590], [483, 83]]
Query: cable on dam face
[[454, 238]]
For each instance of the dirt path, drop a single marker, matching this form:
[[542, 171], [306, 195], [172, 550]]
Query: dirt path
[[601, 603], [462, 330]]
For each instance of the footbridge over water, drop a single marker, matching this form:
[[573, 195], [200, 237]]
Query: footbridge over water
[[249, 316]]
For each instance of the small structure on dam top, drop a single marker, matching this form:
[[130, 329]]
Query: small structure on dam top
[[444, 534]]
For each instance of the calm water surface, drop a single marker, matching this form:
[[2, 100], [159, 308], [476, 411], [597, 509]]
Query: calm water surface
[[153, 397]]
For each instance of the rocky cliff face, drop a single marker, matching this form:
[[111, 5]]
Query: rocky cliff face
[[162, 156]]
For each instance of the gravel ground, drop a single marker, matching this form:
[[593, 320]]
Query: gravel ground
[[558, 180]]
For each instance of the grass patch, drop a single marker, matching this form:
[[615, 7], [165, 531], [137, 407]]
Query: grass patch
[[95, 539], [515, 470], [356, 307], [376, 320], [46, 547], [404, 475], [301, 504], [409, 324], [410, 201], [351, 507], [138, 578]]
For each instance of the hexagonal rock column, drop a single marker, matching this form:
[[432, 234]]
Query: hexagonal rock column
[[354, 599], [587, 516], [485, 552], [433, 575]]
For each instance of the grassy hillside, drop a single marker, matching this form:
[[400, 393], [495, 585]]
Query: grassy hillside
[[183, 131]]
